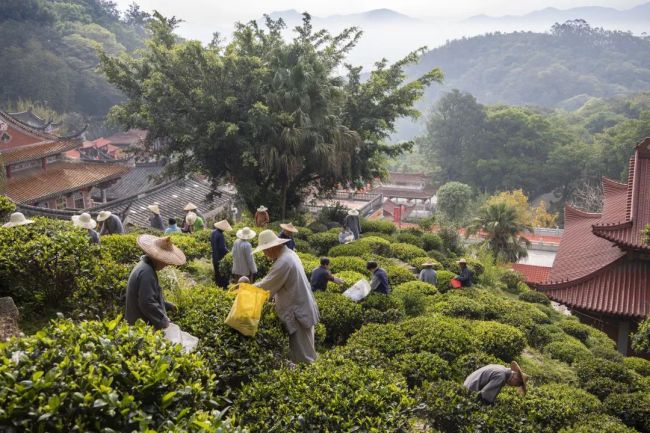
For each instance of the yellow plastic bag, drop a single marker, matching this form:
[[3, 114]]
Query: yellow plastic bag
[[246, 311]]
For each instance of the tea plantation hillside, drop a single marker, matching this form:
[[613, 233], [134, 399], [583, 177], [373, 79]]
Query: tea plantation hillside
[[391, 363]]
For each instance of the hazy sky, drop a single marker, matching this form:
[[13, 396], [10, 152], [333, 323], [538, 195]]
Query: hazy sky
[[226, 12]]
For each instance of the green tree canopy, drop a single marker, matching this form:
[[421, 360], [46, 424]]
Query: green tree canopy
[[275, 117], [454, 200]]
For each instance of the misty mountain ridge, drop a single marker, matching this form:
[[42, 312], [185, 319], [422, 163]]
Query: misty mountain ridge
[[374, 16], [592, 14]]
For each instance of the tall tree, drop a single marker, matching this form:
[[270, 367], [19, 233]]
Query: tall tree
[[273, 116], [500, 225], [453, 201]]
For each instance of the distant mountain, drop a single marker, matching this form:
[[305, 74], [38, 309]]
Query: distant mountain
[[368, 18], [595, 15]]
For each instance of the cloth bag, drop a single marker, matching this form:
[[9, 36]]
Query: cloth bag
[[174, 334], [246, 311], [358, 290]]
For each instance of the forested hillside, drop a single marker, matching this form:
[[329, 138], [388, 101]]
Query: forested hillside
[[48, 51], [561, 68]]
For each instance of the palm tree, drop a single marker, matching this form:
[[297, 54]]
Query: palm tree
[[502, 230]]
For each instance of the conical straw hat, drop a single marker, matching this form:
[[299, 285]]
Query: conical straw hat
[[161, 249], [190, 206], [84, 221], [289, 228], [267, 239], [223, 225]]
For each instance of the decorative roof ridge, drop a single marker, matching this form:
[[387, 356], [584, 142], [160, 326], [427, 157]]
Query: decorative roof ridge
[[612, 226], [30, 111], [74, 135], [27, 128], [614, 183], [620, 242], [563, 284], [579, 212], [10, 150]]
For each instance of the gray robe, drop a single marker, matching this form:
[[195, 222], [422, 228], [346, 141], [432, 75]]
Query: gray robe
[[488, 381], [144, 297], [294, 303], [243, 261], [352, 223], [112, 226], [429, 276]]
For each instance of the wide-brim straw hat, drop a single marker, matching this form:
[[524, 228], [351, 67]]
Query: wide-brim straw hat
[[17, 219], [267, 239], [161, 249], [246, 233], [289, 228], [103, 215], [524, 377], [223, 225], [462, 261], [84, 221], [154, 208], [427, 264], [191, 218], [190, 206], [353, 212], [262, 209]]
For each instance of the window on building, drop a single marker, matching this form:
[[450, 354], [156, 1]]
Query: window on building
[[78, 200], [61, 202]]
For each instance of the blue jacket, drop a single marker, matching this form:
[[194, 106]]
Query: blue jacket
[[291, 244], [379, 282], [465, 277], [218, 242]]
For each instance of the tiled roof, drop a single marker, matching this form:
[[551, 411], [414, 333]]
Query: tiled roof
[[60, 178], [138, 180], [30, 118], [532, 274], [622, 288], [31, 152], [407, 177], [408, 193], [172, 198], [128, 138]]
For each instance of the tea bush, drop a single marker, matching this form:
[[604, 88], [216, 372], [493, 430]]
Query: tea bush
[[362, 356], [346, 263], [502, 341], [554, 406], [409, 238], [202, 311], [431, 241], [602, 377], [380, 308], [598, 423], [641, 338], [322, 242], [632, 408], [7, 207], [446, 337], [398, 275], [378, 245], [193, 245], [465, 364], [122, 248], [511, 280], [354, 249], [414, 295], [261, 261], [640, 365], [96, 376], [575, 329], [331, 395], [340, 315], [444, 281], [568, 350], [405, 252], [349, 278], [448, 406], [380, 226], [417, 286], [534, 297], [421, 367]]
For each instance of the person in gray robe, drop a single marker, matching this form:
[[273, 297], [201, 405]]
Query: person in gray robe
[[111, 224], [144, 296], [487, 381], [294, 301], [352, 223], [243, 261], [428, 274]]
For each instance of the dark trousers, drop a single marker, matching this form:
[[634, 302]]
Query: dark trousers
[[219, 279]]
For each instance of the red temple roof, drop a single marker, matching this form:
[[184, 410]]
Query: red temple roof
[[31, 152], [597, 267], [532, 274]]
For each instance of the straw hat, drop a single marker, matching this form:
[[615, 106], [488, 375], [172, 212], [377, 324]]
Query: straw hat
[[524, 377], [154, 208], [17, 219], [190, 206], [223, 225], [268, 239], [161, 249], [427, 265], [353, 212], [103, 215], [262, 209], [462, 261], [289, 228], [190, 218], [84, 221], [246, 233]]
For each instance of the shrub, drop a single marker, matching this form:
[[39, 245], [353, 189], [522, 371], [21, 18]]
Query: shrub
[[419, 261], [322, 242], [330, 395], [446, 337], [398, 275], [466, 364], [544, 369], [444, 281], [99, 376], [345, 263], [641, 338], [377, 244], [503, 341], [598, 423], [437, 255], [475, 267], [379, 308], [431, 241], [413, 298], [122, 248], [193, 245], [461, 307], [263, 266], [303, 246], [568, 350], [7, 207], [575, 329], [417, 286], [632, 408], [409, 238], [354, 249], [405, 252], [451, 241], [40, 262], [590, 372], [340, 315], [388, 339], [362, 356], [421, 367], [511, 279], [534, 297], [539, 335], [380, 226], [449, 406], [202, 311], [553, 406], [349, 278], [640, 365]]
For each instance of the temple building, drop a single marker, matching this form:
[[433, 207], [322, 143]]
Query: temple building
[[33, 120], [38, 173], [602, 268]]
